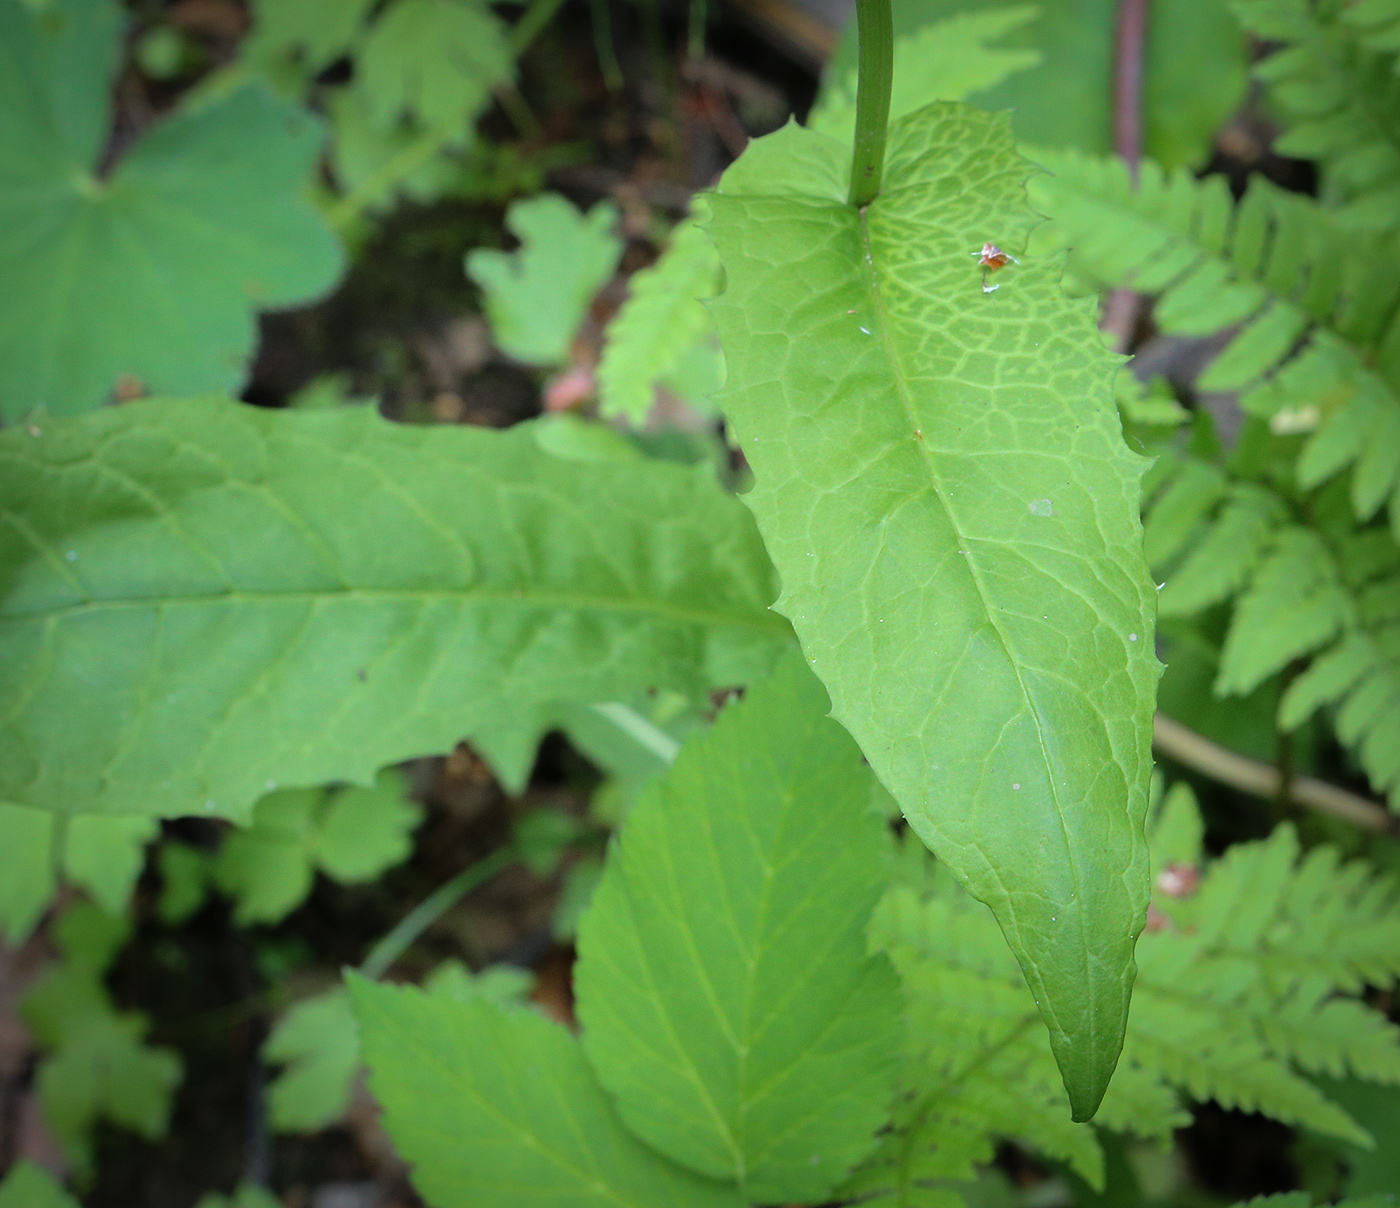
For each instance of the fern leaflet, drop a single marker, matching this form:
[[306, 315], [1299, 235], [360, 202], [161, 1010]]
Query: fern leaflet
[[1316, 302], [1334, 81], [1247, 980]]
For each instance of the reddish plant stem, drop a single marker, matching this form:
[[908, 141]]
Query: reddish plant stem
[[1120, 316], [1127, 82]]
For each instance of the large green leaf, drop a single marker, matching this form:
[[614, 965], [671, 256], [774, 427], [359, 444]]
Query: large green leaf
[[149, 274], [942, 482], [728, 1004], [496, 1105], [204, 601], [1195, 71]]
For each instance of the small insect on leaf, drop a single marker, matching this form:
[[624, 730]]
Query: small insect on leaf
[[992, 258]]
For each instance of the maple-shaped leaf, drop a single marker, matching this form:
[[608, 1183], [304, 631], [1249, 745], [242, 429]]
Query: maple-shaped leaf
[[146, 277]]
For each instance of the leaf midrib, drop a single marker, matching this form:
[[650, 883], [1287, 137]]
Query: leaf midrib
[[765, 621], [902, 390]]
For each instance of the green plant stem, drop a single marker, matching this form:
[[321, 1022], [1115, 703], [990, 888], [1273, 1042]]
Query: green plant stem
[[604, 46], [1258, 779], [640, 730], [432, 908], [397, 167], [875, 25], [695, 36], [527, 29]]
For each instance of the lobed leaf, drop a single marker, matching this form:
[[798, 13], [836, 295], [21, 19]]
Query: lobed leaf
[[731, 1011], [102, 855], [96, 1065], [351, 834], [537, 297], [942, 482], [146, 277], [204, 601], [436, 60]]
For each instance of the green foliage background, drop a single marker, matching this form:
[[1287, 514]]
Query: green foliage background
[[839, 578]]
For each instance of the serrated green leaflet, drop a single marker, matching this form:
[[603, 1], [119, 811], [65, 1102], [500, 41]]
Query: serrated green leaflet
[[942, 482], [103, 855], [727, 999], [96, 1065], [497, 1106], [202, 597], [319, 1044], [149, 275], [351, 834]]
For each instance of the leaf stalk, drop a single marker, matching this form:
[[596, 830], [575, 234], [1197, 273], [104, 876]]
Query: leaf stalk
[[875, 25]]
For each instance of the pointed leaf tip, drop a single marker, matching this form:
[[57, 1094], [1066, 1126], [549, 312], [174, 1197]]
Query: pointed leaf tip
[[941, 479]]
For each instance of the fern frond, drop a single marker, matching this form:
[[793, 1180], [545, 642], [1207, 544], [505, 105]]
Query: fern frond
[[1331, 594], [1316, 303], [1377, 24], [979, 1073], [1294, 605], [1217, 566], [1335, 83], [660, 323], [1244, 986]]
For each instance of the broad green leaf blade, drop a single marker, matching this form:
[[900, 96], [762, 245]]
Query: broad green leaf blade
[[728, 1004], [494, 1105], [204, 600], [537, 297], [942, 482], [148, 277]]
